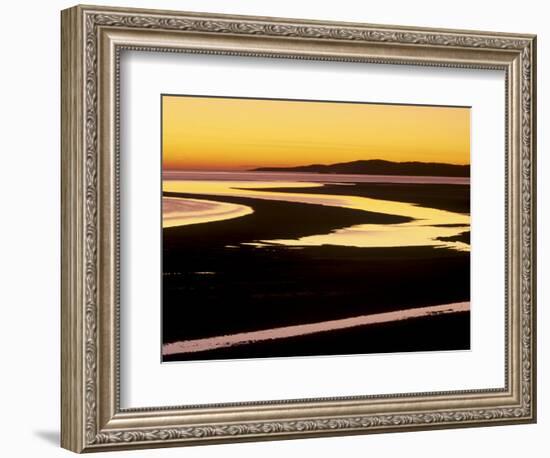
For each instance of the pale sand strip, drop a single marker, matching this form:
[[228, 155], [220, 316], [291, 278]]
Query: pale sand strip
[[212, 343], [178, 211]]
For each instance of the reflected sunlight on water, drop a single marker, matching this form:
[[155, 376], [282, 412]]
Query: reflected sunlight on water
[[422, 231], [182, 212]]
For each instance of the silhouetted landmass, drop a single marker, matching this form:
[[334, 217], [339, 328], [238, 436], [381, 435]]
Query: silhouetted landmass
[[379, 167]]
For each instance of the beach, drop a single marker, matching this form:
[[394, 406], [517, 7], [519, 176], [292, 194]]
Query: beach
[[285, 255]]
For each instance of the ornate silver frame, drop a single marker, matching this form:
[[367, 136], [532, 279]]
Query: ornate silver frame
[[92, 38]]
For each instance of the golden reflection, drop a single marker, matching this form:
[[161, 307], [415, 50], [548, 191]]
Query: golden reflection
[[424, 230], [380, 236]]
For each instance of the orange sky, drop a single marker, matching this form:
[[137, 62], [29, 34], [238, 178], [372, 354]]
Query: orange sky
[[205, 133]]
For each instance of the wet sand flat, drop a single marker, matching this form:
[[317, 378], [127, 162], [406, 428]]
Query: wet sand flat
[[213, 285]]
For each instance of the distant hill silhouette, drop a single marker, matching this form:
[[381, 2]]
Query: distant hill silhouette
[[379, 167]]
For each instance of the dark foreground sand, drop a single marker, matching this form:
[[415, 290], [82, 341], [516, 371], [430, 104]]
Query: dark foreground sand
[[299, 330], [213, 287], [435, 333]]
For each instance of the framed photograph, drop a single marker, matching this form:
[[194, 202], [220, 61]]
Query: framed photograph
[[279, 228]]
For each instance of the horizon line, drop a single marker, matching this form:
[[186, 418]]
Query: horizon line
[[252, 168]]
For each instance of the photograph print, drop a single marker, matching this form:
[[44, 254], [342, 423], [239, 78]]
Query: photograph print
[[313, 228]]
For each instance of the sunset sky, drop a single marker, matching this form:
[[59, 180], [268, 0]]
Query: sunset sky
[[206, 133]]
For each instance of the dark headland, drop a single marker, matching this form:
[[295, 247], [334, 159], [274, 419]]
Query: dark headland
[[379, 167]]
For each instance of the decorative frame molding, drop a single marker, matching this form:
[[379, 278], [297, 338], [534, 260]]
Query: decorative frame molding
[[92, 38]]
